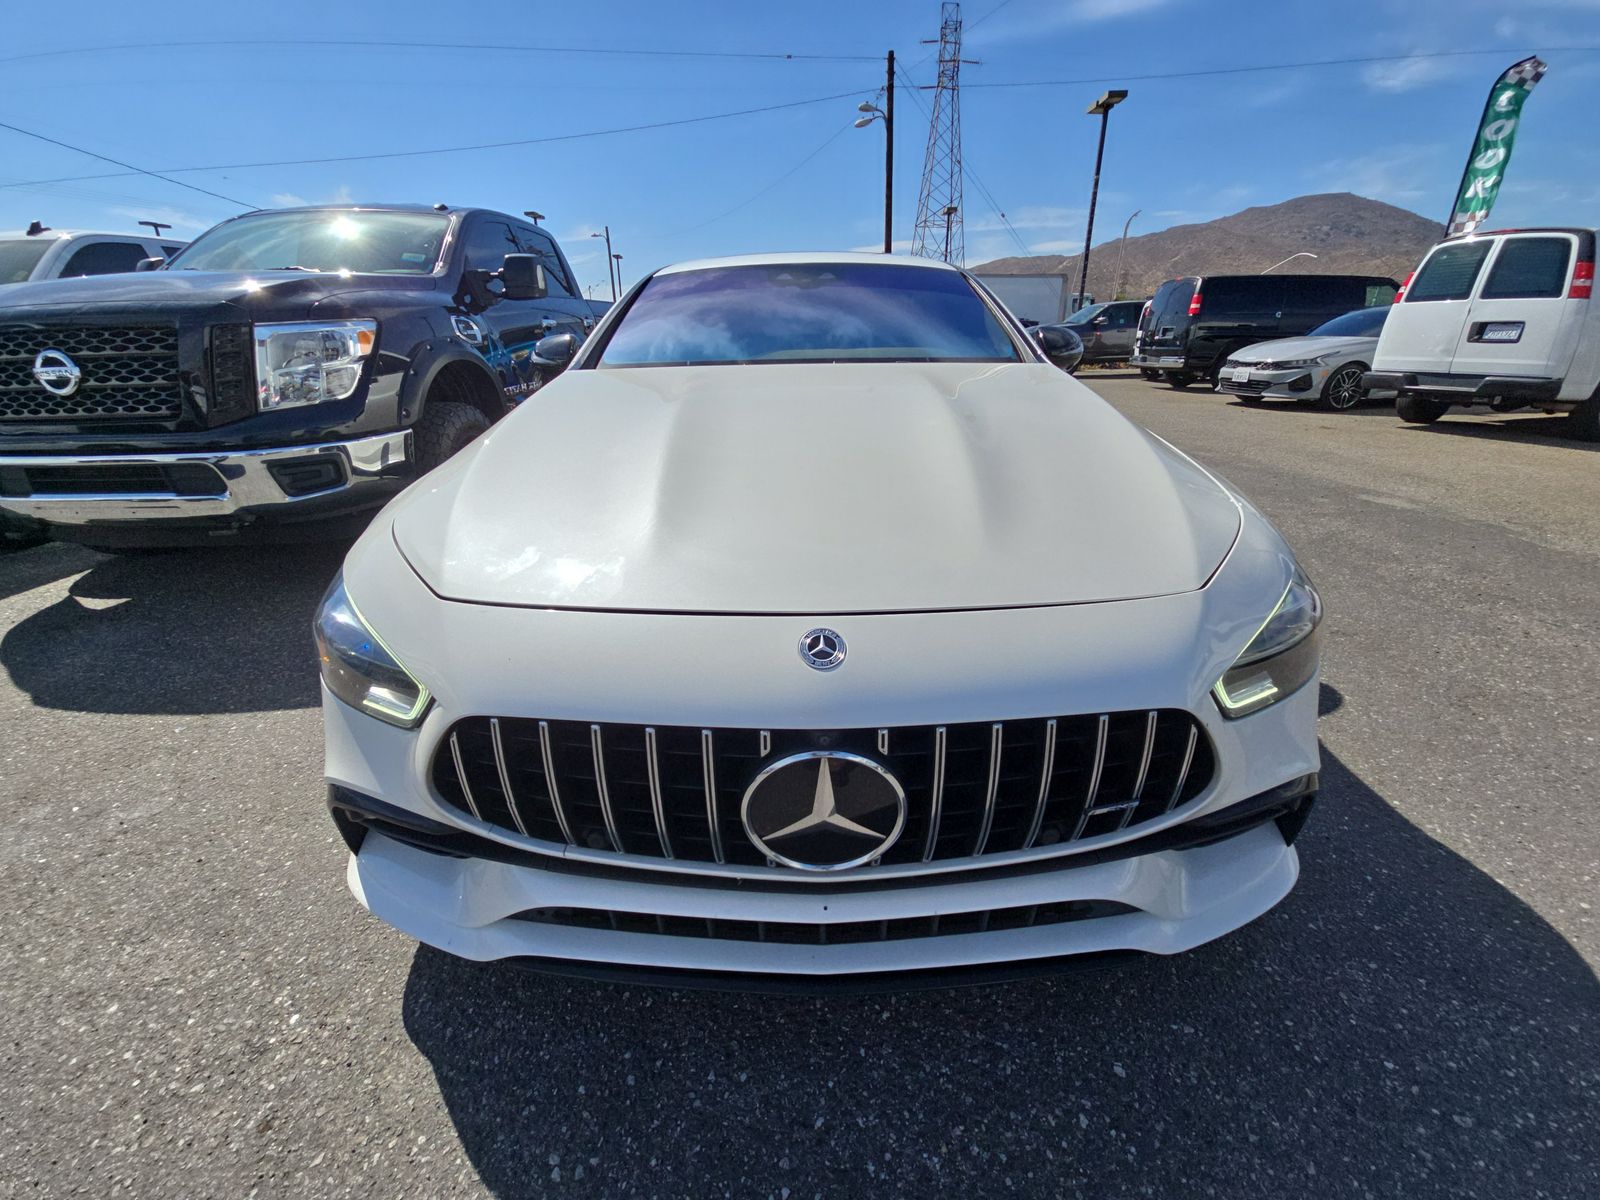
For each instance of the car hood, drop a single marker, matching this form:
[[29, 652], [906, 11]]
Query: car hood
[[814, 488], [177, 291], [1303, 347]]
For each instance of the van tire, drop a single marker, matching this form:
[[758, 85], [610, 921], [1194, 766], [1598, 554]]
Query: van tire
[[1340, 393], [1584, 421], [1152, 376], [446, 427], [1418, 410]]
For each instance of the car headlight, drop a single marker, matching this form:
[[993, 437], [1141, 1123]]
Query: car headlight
[[1281, 657], [310, 362], [1292, 364], [359, 669]]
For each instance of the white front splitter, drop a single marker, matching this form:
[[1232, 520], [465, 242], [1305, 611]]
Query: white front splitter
[[467, 906]]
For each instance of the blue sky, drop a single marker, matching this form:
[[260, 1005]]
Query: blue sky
[[1180, 150]]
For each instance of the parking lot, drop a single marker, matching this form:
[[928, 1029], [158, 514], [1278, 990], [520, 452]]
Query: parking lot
[[195, 1004]]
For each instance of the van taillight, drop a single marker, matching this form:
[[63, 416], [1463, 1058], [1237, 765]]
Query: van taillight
[[1194, 305], [1401, 294], [1582, 281]]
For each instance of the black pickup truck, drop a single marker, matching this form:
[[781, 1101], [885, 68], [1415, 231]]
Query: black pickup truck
[[282, 376]]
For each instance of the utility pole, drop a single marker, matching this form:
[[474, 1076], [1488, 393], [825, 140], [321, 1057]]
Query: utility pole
[[886, 115], [1102, 107], [888, 158], [1122, 251], [948, 212]]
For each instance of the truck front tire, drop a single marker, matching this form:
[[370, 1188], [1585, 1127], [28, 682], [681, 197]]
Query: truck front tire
[[1583, 422], [1419, 410], [446, 427]]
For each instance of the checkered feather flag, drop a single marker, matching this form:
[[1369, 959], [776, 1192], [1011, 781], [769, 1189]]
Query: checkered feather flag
[[1491, 151]]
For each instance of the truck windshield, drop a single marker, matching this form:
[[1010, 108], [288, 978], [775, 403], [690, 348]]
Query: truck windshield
[[807, 312], [366, 243], [19, 258]]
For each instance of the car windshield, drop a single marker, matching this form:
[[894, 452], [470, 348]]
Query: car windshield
[[1084, 315], [366, 243], [19, 258], [807, 312], [1364, 322]]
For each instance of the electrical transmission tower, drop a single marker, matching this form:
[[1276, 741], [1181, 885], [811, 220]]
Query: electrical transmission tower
[[939, 233]]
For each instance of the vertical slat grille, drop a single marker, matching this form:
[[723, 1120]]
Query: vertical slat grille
[[675, 792]]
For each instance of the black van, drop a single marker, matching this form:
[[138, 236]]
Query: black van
[[1193, 324]]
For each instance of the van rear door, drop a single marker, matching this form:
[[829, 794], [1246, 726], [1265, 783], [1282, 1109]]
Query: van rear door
[[1168, 330], [1429, 321], [1520, 322]]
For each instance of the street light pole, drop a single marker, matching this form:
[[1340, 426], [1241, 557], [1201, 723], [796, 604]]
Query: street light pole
[[1122, 251], [886, 115], [617, 258], [1102, 107], [1291, 258], [948, 211], [609, 275]]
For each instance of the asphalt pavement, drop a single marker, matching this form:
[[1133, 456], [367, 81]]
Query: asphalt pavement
[[193, 1005]]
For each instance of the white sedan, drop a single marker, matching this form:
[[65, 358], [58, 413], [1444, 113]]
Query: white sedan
[[1324, 367], [812, 629]]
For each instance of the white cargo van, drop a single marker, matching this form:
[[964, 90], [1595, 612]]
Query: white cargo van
[[1504, 319]]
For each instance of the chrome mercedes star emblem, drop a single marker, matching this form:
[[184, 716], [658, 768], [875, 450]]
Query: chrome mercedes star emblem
[[822, 649], [824, 810], [56, 373]]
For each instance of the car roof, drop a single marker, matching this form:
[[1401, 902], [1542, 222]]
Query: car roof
[[806, 256], [1579, 230]]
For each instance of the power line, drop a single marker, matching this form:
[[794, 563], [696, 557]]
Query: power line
[[344, 44], [559, 137], [131, 169], [1284, 66], [751, 199]]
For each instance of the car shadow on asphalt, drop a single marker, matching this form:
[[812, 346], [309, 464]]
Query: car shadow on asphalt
[[1401, 1025], [218, 630], [1549, 430]]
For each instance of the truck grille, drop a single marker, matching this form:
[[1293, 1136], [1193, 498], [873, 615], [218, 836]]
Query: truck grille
[[127, 372], [674, 792]]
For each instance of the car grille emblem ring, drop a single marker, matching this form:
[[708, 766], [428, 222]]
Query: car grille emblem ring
[[824, 810], [56, 373], [822, 649]]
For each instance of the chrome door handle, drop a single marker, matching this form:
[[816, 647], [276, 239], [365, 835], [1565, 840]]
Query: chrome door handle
[[546, 324]]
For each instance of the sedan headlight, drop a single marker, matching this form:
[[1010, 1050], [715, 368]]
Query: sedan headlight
[[309, 362], [1292, 364], [359, 669], [1281, 657]]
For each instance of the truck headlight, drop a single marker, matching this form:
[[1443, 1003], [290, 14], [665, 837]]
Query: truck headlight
[[1281, 657], [309, 362], [359, 669]]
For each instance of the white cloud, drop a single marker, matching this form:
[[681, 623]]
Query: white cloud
[[288, 200], [1391, 175], [341, 195], [1058, 16], [899, 246], [1405, 75]]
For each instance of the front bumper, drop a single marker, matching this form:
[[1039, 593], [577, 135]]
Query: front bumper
[[1295, 384], [1158, 362], [227, 488]]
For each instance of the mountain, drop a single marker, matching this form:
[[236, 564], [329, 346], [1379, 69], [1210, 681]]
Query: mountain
[[1350, 235]]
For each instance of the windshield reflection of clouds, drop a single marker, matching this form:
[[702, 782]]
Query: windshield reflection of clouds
[[807, 312]]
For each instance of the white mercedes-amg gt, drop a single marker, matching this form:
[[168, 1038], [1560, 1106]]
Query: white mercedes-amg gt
[[812, 628]]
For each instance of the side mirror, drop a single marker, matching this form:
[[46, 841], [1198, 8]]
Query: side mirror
[[558, 349], [150, 264], [1060, 346], [1101, 321], [522, 278]]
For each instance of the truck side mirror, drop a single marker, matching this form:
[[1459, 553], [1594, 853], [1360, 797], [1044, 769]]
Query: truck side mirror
[[150, 264], [558, 349], [522, 278]]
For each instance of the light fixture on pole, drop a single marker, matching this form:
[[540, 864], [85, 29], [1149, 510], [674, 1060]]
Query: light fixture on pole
[[886, 115], [1122, 250], [617, 258], [1291, 258], [948, 211], [609, 275], [1101, 108]]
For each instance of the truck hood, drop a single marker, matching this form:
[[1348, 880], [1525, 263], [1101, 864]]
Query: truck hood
[[1303, 347], [280, 293], [814, 488]]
